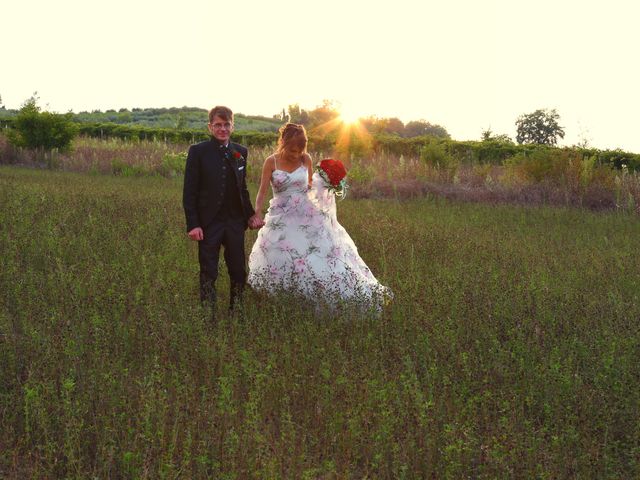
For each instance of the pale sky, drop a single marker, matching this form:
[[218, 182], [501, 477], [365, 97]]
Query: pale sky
[[467, 65]]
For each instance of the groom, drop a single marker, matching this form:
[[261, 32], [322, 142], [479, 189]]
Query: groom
[[217, 205]]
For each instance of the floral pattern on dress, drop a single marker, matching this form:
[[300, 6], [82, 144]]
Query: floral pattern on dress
[[303, 248]]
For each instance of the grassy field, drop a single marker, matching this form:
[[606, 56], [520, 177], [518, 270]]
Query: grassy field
[[512, 349], [559, 178]]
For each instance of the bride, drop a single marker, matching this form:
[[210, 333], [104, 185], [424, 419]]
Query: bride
[[301, 247]]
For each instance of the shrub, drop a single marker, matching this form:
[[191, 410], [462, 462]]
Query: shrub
[[566, 167], [399, 146], [361, 173], [444, 166], [132, 132], [123, 169], [352, 145], [41, 130], [531, 167], [436, 154], [481, 173], [173, 164], [618, 159]]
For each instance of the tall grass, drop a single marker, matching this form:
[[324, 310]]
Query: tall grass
[[511, 349], [540, 177]]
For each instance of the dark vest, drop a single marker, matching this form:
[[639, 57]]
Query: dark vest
[[231, 208]]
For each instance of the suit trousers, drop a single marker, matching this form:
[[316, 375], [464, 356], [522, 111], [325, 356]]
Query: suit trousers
[[230, 235]]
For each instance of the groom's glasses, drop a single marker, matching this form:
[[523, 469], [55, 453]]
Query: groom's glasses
[[220, 126]]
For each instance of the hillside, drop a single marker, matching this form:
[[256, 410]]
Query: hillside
[[191, 118]]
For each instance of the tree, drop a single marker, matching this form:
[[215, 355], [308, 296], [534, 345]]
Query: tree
[[377, 125], [181, 122], [33, 128], [298, 115], [539, 127], [394, 126], [323, 114], [417, 128], [488, 136], [373, 124]]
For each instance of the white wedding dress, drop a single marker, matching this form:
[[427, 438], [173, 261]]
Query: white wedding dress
[[303, 249]]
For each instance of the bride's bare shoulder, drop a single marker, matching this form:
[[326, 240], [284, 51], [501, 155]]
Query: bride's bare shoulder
[[270, 160], [306, 158]]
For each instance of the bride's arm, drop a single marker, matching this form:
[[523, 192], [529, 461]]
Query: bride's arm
[[309, 164], [267, 170]]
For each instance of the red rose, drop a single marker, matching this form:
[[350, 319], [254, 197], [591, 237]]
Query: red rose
[[334, 169], [237, 155]]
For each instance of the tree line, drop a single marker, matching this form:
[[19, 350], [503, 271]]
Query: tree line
[[31, 127], [328, 112], [540, 127]]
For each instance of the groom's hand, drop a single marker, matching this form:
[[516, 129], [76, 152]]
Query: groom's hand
[[196, 234], [256, 222]]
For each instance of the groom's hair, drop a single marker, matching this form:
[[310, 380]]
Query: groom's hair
[[223, 112]]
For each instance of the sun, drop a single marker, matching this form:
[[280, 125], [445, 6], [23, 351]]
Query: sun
[[348, 115], [347, 126]]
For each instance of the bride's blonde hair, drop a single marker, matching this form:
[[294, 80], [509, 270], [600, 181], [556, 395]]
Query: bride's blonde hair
[[292, 135]]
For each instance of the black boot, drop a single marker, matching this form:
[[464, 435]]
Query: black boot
[[235, 297]]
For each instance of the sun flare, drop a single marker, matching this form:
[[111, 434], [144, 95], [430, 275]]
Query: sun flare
[[348, 115], [348, 128]]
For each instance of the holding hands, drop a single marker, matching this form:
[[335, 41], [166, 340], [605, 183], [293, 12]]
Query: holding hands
[[256, 222]]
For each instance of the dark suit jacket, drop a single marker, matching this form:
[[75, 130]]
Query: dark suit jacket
[[204, 176]]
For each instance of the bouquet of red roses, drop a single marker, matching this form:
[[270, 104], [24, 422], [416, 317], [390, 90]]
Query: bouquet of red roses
[[333, 173]]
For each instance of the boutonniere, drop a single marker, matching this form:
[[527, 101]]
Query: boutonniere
[[237, 156]]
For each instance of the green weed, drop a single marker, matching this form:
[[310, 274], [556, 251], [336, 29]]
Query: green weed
[[510, 350]]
